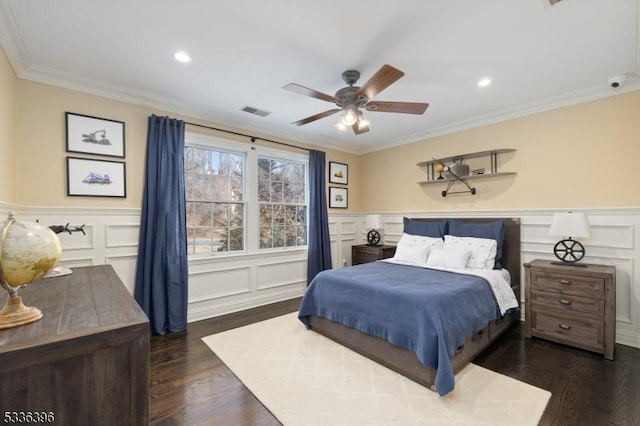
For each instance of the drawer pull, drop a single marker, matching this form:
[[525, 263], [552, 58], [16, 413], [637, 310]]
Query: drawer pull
[[565, 302], [565, 282], [564, 326]]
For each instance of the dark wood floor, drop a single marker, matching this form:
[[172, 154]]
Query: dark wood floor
[[191, 386]]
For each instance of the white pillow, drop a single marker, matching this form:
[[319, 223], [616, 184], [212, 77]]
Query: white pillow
[[448, 258], [482, 250], [415, 248]]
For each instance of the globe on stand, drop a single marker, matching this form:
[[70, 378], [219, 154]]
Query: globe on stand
[[27, 252]]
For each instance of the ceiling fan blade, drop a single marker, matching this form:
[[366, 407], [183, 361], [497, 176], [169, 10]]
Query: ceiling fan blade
[[385, 77], [301, 90], [316, 117], [401, 107], [359, 129]]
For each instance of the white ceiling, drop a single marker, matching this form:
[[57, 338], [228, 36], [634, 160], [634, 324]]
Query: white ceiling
[[539, 57]]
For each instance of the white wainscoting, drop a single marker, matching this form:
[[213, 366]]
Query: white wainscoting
[[613, 241], [227, 284]]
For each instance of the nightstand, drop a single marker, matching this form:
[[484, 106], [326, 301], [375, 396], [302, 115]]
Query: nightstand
[[364, 253], [572, 305]]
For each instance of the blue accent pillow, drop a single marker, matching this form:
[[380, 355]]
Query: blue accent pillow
[[425, 229], [491, 230]]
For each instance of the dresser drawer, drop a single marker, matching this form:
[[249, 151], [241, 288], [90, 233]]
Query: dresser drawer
[[567, 303], [579, 285], [581, 332]]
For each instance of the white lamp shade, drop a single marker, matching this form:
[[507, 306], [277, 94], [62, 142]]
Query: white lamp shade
[[374, 221], [570, 225]]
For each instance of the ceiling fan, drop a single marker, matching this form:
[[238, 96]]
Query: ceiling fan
[[351, 99]]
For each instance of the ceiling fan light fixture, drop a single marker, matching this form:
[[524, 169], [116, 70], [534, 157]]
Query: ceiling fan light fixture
[[363, 122], [340, 126], [349, 116]]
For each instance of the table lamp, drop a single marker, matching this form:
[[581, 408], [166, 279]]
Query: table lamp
[[570, 225], [374, 222]]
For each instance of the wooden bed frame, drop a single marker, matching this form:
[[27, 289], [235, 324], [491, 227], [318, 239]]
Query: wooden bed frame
[[403, 360]]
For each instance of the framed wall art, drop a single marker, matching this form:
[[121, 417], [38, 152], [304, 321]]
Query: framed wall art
[[338, 197], [338, 173], [93, 135], [96, 178]]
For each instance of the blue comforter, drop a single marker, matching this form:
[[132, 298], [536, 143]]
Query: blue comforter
[[427, 311]]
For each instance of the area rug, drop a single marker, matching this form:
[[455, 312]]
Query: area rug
[[304, 378]]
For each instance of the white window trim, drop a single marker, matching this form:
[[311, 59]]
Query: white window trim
[[252, 213]]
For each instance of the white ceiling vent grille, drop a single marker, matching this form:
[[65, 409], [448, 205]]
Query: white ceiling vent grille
[[255, 111]]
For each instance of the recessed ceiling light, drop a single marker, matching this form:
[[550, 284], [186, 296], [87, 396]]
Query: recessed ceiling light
[[182, 56], [484, 82]]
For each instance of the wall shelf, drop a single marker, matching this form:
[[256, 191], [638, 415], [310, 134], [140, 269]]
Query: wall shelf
[[493, 170]]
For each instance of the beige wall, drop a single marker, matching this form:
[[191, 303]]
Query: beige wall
[[585, 155], [8, 96], [41, 175]]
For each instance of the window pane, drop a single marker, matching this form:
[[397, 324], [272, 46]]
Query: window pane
[[215, 200], [276, 192], [264, 169], [276, 171], [281, 194], [266, 238], [236, 215], [202, 215], [278, 236], [236, 238], [266, 215]]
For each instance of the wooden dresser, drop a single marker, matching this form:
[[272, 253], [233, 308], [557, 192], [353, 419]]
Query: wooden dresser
[[87, 360], [572, 305], [364, 253]]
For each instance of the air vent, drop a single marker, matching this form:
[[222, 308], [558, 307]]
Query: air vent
[[255, 111], [549, 3]]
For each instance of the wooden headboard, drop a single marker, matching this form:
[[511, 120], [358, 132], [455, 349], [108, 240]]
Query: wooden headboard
[[511, 248]]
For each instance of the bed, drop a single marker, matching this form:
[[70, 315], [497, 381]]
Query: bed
[[434, 365]]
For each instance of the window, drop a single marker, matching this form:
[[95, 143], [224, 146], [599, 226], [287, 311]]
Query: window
[[282, 201], [241, 199], [214, 186]]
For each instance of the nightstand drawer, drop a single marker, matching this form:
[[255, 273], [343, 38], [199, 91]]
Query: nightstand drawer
[[364, 257], [566, 303], [568, 284], [581, 332], [364, 253]]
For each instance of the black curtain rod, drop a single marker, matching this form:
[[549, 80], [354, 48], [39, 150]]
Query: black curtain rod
[[252, 138]]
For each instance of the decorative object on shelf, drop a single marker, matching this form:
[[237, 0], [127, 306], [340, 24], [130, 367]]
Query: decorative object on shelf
[[439, 169], [338, 173], [338, 197], [374, 222], [27, 252], [93, 135], [456, 171], [569, 224], [96, 178]]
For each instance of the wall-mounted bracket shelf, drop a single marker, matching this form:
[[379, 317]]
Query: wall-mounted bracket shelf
[[431, 173]]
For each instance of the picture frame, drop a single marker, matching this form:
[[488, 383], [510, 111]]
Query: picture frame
[[338, 197], [96, 178], [94, 135], [338, 173]]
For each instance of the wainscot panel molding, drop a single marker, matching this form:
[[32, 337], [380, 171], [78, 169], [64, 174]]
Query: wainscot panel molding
[[227, 283], [613, 241]]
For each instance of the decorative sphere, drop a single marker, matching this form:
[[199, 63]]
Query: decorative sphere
[[27, 251], [439, 167]]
